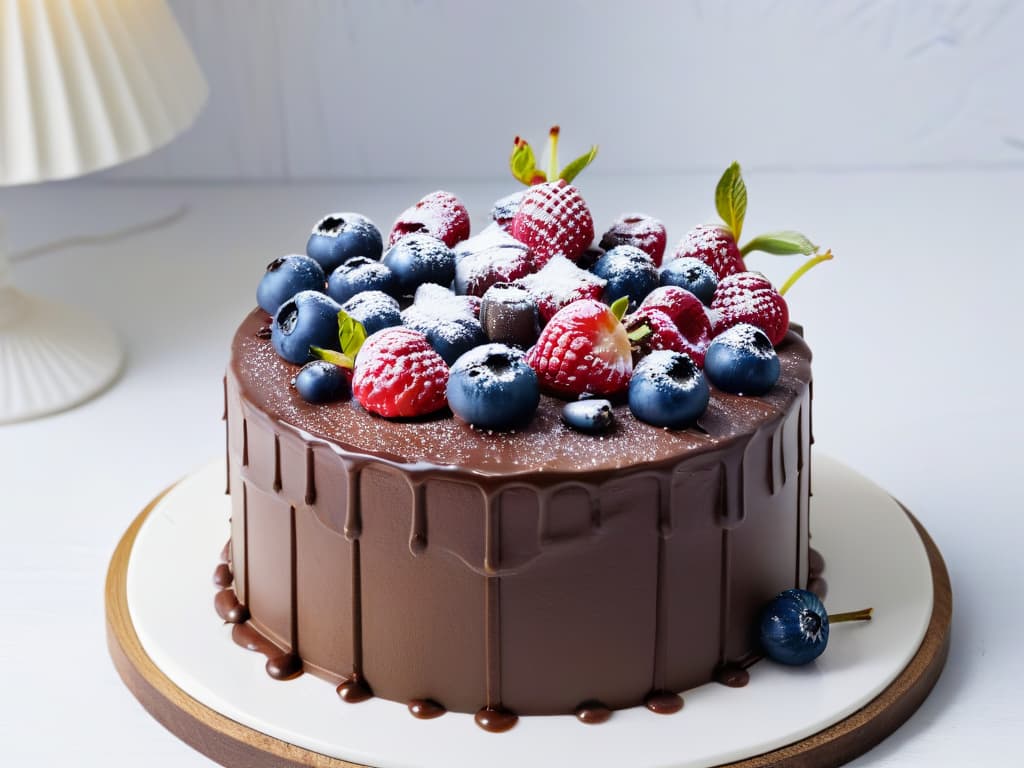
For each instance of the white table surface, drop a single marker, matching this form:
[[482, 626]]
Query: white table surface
[[916, 334]]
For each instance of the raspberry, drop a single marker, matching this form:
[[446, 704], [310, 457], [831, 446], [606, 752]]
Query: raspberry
[[687, 312], [559, 284], [663, 335], [398, 374], [640, 231], [584, 348], [553, 219], [715, 246], [748, 297], [440, 214]]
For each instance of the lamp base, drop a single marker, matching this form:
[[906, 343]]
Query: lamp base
[[52, 357]]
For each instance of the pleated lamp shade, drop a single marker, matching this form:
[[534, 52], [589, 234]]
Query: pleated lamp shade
[[87, 84]]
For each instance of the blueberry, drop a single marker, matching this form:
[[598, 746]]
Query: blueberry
[[508, 315], [492, 387], [418, 259], [285, 277], [592, 416], [794, 627], [307, 319], [505, 208], [693, 275], [358, 275], [742, 360], [374, 309], [628, 272], [448, 321], [668, 390], [338, 237], [322, 382]]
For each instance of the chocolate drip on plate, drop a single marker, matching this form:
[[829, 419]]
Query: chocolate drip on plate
[[732, 675], [281, 665], [663, 702], [426, 709], [354, 690], [228, 607], [495, 719], [222, 576], [593, 713]]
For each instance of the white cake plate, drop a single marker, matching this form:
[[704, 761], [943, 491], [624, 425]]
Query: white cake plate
[[180, 661]]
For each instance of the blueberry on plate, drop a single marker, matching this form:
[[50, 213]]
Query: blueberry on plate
[[418, 259], [628, 272], [448, 321], [338, 237], [742, 361], [667, 389], [592, 415], [509, 315], [693, 275], [794, 627], [492, 387], [287, 276], [374, 309], [322, 382], [358, 275], [307, 319]]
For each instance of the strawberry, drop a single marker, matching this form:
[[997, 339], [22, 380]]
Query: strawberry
[[640, 231], [687, 312], [663, 334], [715, 246], [439, 214], [748, 297], [583, 348], [559, 284], [552, 220], [398, 374]]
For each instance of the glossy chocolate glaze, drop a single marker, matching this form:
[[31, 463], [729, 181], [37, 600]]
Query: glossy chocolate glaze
[[593, 713], [513, 573]]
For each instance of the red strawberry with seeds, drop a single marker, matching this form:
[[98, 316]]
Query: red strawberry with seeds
[[553, 219], [715, 246], [748, 297], [398, 374], [663, 334], [559, 284], [687, 312], [583, 348], [440, 214], [640, 231]]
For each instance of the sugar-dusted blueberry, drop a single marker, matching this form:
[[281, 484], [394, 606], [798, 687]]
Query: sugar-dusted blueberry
[[358, 275], [742, 361], [307, 319], [794, 627], [504, 209], [322, 382], [448, 321], [509, 315], [692, 274], [668, 390], [374, 309], [338, 237], [492, 387], [628, 272], [418, 259], [591, 415], [287, 276]]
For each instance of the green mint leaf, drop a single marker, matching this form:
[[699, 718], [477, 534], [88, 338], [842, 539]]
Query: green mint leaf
[[780, 243], [333, 356], [523, 163], [351, 334], [619, 307], [572, 170], [731, 199]]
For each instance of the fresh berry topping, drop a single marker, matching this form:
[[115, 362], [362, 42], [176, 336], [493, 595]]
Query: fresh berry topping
[[748, 297], [399, 375], [504, 260], [715, 246], [338, 237], [448, 321], [322, 382], [358, 275], [593, 416], [668, 390], [628, 272], [418, 259], [504, 210], [583, 348], [650, 328], [285, 277], [794, 628], [374, 309], [692, 275], [640, 231], [560, 283], [307, 319], [492, 387], [508, 315], [686, 312], [440, 214], [553, 220], [742, 360]]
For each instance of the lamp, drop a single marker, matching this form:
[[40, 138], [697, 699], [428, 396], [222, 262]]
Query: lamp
[[84, 85]]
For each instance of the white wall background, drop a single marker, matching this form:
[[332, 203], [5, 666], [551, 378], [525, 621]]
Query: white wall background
[[427, 88]]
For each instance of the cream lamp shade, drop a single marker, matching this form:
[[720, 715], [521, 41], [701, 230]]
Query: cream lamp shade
[[84, 85]]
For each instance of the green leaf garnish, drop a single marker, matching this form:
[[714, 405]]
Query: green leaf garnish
[[731, 199], [780, 243], [351, 334], [333, 356], [572, 170], [619, 307], [523, 162]]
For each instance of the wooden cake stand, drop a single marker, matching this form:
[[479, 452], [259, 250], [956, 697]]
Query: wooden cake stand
[[231, 743]]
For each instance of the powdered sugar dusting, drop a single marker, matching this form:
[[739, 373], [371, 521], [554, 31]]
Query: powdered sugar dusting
[[560, 282]]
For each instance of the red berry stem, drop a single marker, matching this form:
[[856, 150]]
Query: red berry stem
[[812, 262], [862, 615]]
